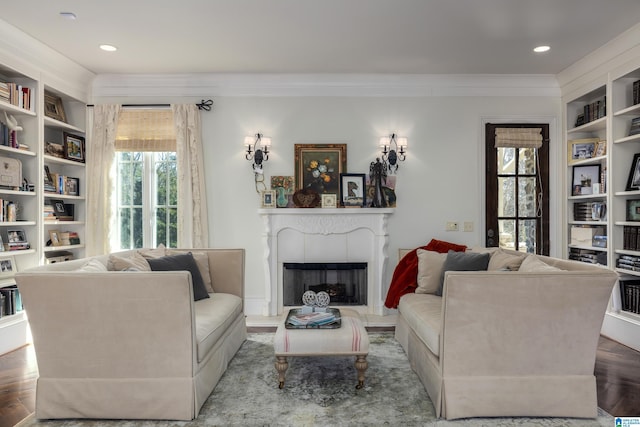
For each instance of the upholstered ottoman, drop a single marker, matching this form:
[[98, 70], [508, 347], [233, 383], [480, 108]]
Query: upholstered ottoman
[[350, 339]]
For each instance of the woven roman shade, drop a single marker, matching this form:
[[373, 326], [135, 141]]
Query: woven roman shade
[[519, 137], [146, 130]]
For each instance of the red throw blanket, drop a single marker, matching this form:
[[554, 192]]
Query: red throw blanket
[[405, 275]]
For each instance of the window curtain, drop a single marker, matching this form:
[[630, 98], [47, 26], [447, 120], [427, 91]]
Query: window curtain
[[193, 226], [103, 123], [519, 137]]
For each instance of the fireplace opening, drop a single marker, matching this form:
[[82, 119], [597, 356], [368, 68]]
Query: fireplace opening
[[345, 282]]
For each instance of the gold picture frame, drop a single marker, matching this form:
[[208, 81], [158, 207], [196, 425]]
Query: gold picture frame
[[318, 167], [53, 107]]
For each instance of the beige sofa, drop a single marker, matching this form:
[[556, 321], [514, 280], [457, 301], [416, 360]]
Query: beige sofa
[[509, 343], [132, 344]]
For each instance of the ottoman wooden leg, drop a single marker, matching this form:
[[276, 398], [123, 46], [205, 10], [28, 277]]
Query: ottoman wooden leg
[[281, 367], [361, 366]]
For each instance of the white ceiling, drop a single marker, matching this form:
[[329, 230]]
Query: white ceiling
[[324, 36]]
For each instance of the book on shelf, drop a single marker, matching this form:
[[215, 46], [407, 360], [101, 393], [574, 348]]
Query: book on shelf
[[630, 295], [636, 92], [631, 238], [12, 300], [635, 126], [16, 94]]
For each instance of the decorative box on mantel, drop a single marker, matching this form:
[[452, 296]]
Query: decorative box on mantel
[[325, 236]]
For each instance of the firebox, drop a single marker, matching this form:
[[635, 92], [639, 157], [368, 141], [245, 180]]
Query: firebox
[[345, 282]]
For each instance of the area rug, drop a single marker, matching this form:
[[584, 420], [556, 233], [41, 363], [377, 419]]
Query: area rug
[[320, 391]]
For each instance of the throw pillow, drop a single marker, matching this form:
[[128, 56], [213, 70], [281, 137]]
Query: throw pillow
[[202, 260], [429, 271], [505, 261], [533, 264], [119, 263], [463, 261], [178, 263], [93, 265], [443, 247], [161, 250]]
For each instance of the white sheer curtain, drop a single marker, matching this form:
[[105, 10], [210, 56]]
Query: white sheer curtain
[[193, 224], [103, 123]]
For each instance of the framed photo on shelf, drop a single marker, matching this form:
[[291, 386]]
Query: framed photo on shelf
[[54, 149], [53, 107], [54, 236], [353, 190], [72, 186], [633, 210], [318, 166], [268, 199], [633, 182], [73, 147], [581, 149], [7, 267], [583, 179], [601, 148], [329, 201]]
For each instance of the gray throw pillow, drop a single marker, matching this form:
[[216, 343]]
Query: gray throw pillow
[[178, 263], [463, 261]]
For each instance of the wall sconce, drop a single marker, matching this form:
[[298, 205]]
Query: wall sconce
[[257, 150], [393, 150]]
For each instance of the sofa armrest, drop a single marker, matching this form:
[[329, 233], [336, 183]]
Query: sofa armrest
[[509, 323], [111, 324], [226, 267]]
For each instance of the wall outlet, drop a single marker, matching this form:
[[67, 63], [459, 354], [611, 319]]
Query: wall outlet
[[467, 226], [452, 226]]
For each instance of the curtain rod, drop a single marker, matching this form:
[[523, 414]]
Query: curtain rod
[[205, 105]]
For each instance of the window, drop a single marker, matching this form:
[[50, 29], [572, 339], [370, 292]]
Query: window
[[146, 183]]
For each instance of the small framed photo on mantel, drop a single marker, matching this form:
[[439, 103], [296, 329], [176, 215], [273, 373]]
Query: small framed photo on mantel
[[352, 190]]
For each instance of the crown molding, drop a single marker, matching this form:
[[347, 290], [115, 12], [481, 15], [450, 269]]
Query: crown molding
[[26, 55], [374, 85], [596, 65]]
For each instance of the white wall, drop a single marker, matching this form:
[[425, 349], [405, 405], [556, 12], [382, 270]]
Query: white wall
[[441, 180]]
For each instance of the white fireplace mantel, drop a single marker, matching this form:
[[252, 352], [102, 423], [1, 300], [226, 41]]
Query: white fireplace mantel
[[325, 235]]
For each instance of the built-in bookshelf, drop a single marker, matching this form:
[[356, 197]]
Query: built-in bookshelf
[[587, 177], [25, 234]]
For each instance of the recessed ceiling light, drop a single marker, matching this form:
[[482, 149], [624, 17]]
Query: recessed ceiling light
[[541, 49], [68, 15], [108, 47]]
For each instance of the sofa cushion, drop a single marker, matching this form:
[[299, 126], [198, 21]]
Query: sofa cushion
[[93, 265], [134, 260], [161, 250], [505, 260], [463, 261], [423, 314], [182, 262], [202, 260], [430, 265], [533, 264], [213, 316]]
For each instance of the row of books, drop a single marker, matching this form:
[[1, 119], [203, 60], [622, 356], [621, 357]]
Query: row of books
[[628, 262], [636, 92], [631, 238], [16, 94], [10, 301], [592, 111], [8, 210], [587, 255], [630, 295], [312, 319], [582, 211], [60, 184], [8, 138]]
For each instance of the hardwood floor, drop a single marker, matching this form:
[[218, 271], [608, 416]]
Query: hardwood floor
[[617, 375]]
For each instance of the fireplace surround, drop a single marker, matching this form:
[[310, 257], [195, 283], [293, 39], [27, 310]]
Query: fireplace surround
[[356, 235]]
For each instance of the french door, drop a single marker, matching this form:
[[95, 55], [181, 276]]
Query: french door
[[517, 193]]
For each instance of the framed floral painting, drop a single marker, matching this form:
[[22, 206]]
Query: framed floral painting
[[318, 166]]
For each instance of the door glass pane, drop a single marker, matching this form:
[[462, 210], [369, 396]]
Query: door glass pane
[[506, 196], [527, 161], [507, 230], [506, 161], [527, 235], [527, 197]]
